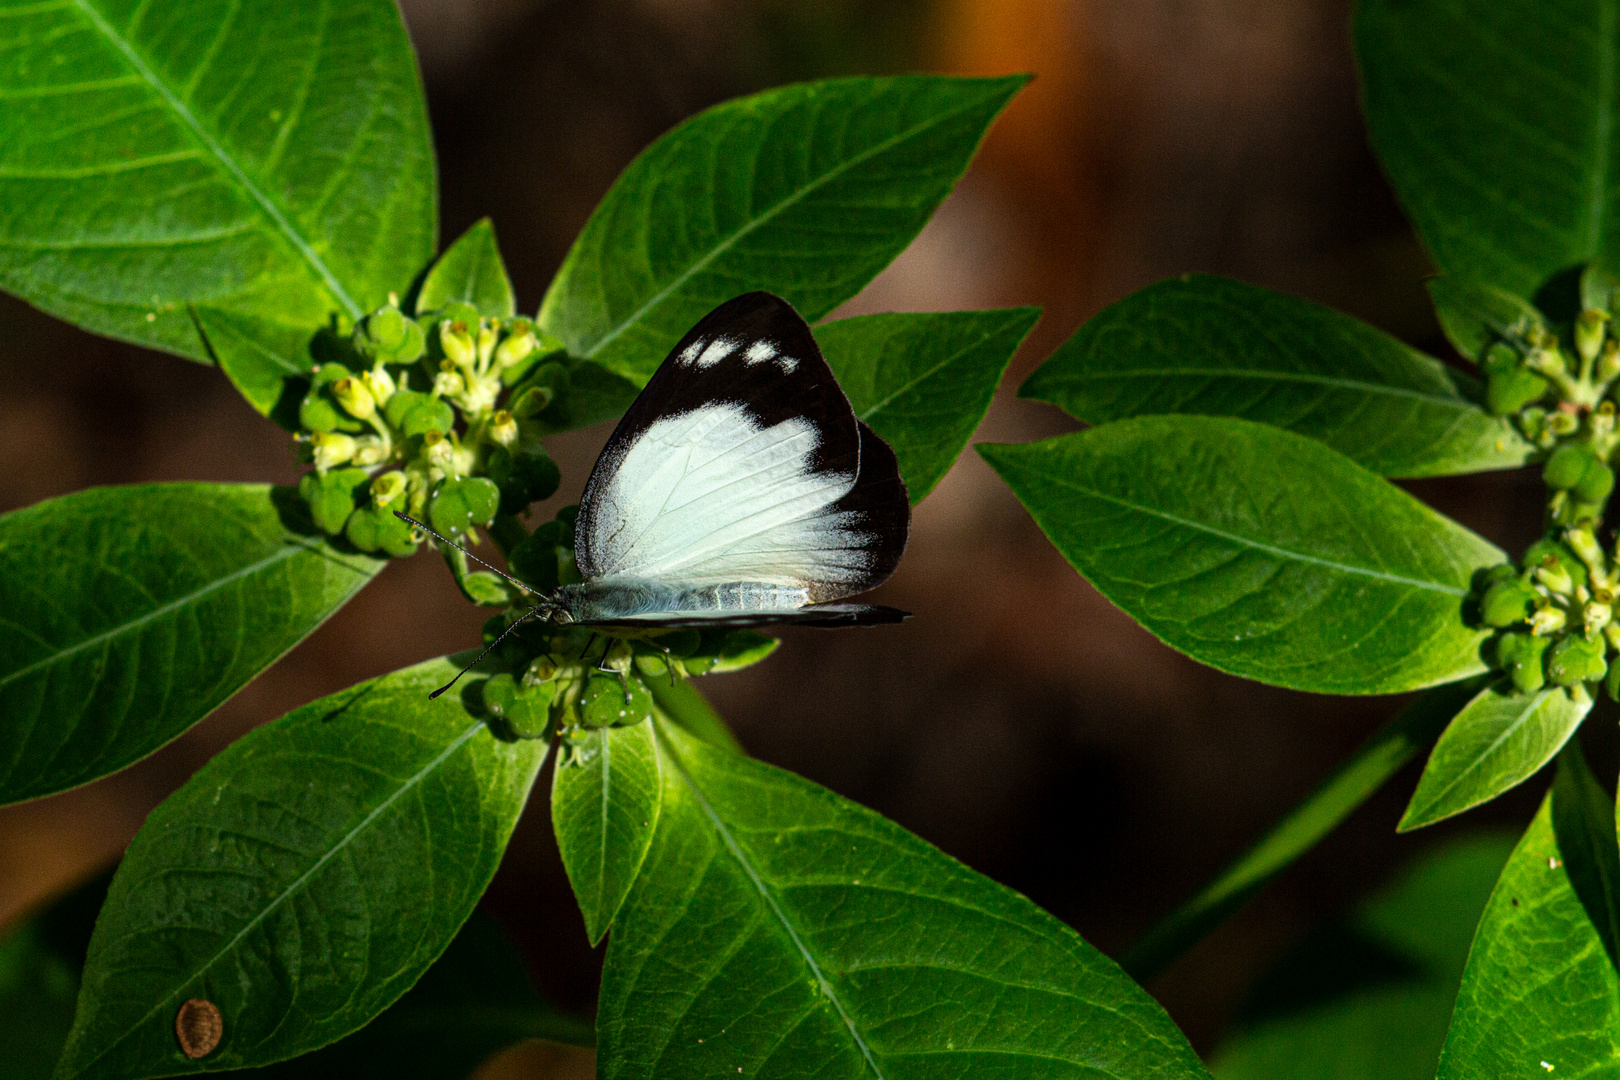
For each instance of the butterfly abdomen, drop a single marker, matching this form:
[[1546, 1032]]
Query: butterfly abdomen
[[606, 600]]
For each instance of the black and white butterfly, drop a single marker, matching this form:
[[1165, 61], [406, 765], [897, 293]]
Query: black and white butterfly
[[738, 490]]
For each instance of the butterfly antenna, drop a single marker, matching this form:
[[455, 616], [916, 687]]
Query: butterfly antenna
[[446, 540], [487, 650]]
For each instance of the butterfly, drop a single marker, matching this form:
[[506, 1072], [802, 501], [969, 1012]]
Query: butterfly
[[739, 490]]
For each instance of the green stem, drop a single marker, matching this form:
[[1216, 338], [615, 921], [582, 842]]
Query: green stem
[[1379, 758], [688, 708]]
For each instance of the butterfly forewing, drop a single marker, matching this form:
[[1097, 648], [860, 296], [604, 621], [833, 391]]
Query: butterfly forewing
[[742, 461]]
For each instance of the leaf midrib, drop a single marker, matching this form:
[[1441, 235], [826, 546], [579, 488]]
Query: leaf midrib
[[934, 369], [303, 247], [297, 884], [1603, 133], [1314, 560], [292, 549], [736, 852], [702, 263], [1484, 755]]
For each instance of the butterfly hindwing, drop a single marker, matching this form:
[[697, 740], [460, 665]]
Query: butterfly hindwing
[[814, 615], [743, 461]]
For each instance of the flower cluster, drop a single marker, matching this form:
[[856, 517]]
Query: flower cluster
[[410, 418], [1556, 608]]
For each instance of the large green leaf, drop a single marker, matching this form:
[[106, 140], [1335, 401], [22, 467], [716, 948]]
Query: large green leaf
[[1216, 347], [924, 381], [1351, 784], [131, 613], [1258, 551], [1496, 743], [605, 798], [1540, 995], [470, 272], [1496, 120], [302, 880], [1371, 997], [807, 191], [1584, 822], [269, 157], [474, 1000], [779, 930]]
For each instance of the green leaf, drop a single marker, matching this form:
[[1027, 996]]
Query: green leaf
[[266, 361], [1216, 347], [1584, 822], [685, 705], [470, 272], [806, 190], [474, 1000], [39, 979], [1371, 997], [1495, 120], [1475, 316], [604, 807], [133, 612], [1351, 784], [271, 159], [1539, 990], [783, 931], [1258, 551], [1501, 739], [302, 880], [924, 381]]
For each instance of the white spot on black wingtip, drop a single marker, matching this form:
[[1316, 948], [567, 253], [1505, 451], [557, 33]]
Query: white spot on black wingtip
[[718, 350], [761, 351], [689, 354]]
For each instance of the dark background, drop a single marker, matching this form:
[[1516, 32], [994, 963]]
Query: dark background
[[1019, 721]]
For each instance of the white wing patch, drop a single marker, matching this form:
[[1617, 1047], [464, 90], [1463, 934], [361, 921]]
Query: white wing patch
[[711, 496], [761, 351], [718, 350]]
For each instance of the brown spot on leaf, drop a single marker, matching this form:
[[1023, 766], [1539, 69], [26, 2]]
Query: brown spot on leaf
[[198, 1026]]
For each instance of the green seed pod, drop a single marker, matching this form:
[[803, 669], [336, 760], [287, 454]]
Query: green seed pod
[[415, 413], [525, 475], [372, 529], [524, 708], [1596, 484], [1520, 655], [1508, 602], [1511, 391], [332, 496], [609, 702], [1576, 660], [1500, 359], [458, 505], [319, 411], [386, 488], [1567, 465]]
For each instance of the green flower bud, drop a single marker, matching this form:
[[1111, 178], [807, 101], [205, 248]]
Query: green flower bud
[[355, 398], [1576, 660], [414, 413], [1561, 423], [1546, 360], [1508, 602], [457, 344], [1567, 465], [1587, 549], [1589, 330], [533, 401], [386, 488], [1548, 620], [331, 496], [331, 448], [524, 707], [486, 336], [1536, 556], [380, 384], [517, 348], [1596, 614], [1500, 359], [1596, 484], [386, 327], [458, 505], [448, 384], [439, 451], [502, 430], [1520, 656], [369, 450], [541, 669], [319, 411], [1608, 365], [1555, 576]]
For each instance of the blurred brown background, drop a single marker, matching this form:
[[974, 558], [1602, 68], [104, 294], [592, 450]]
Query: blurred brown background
[[1019, 721]]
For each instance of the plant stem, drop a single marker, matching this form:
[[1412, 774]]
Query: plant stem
[[1379, 758]]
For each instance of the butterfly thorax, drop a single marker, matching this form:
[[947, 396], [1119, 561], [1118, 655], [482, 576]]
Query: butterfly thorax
[[607, 599]]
